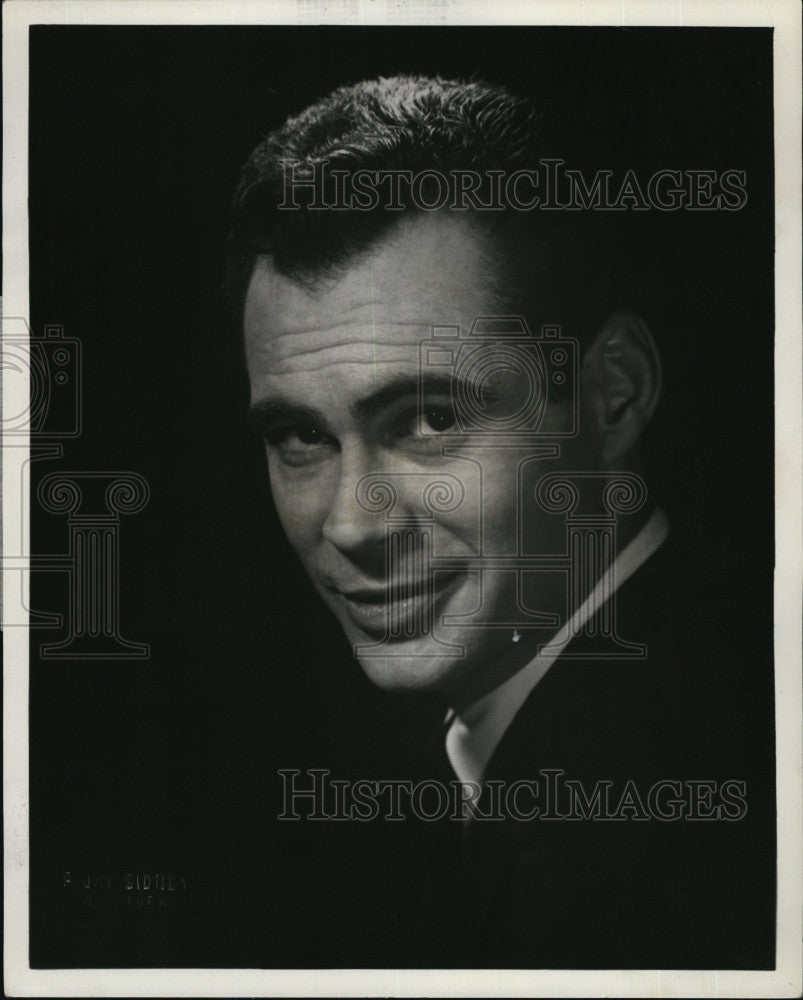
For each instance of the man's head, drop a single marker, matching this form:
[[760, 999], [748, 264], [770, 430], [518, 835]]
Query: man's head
[[372, 472]]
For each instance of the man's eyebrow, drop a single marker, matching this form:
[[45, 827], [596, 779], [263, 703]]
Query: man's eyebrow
[[398, 388], [263, 413]]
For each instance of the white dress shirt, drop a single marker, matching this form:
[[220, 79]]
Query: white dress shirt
[[476, 730]]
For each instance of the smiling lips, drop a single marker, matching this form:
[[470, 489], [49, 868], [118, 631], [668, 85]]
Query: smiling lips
[[403, 610]]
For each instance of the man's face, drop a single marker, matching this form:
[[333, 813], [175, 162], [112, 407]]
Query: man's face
[[334, 374]]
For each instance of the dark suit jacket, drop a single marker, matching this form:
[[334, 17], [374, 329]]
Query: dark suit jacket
[[545, 893], [627, 893]]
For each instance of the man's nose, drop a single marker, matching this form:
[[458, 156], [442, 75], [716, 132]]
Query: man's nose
[[352, 524]]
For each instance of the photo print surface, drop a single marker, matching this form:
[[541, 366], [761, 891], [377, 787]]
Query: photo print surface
[[401, 497]]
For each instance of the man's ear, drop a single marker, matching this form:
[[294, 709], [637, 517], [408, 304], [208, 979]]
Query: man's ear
[[621, 383]]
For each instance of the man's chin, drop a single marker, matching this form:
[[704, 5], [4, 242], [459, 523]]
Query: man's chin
[[459, 672], [400, 667]]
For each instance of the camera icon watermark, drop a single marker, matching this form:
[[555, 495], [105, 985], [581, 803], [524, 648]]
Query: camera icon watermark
[[42, 408], [513, 406], [504, 381], [48, 405]]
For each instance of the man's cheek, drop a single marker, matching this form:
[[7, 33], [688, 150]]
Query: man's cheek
[[302, 509]]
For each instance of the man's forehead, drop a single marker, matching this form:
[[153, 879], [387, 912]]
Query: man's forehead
[[428, 273]]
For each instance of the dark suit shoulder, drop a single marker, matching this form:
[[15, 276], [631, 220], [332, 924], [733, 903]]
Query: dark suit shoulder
[[658, 774]]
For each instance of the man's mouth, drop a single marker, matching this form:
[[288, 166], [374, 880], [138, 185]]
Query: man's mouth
[[403, 610]]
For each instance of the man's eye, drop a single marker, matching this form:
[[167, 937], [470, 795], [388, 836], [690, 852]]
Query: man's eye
[[299, 445], [309, 435], [437, 419], [420, 430]]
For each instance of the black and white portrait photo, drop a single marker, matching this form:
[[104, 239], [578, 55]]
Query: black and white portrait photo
[[401, 462]]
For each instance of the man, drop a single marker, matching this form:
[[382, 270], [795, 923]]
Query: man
[[452, 400]]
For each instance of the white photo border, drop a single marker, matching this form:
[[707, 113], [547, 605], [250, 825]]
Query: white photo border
[[786, 980]]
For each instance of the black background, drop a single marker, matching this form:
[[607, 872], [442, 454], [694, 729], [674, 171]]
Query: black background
[[169, 764]]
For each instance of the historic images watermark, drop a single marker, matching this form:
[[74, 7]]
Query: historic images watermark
[[315, 796], [551, 186]]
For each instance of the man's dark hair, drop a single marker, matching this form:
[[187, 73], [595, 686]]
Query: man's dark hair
[[546, 268]]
